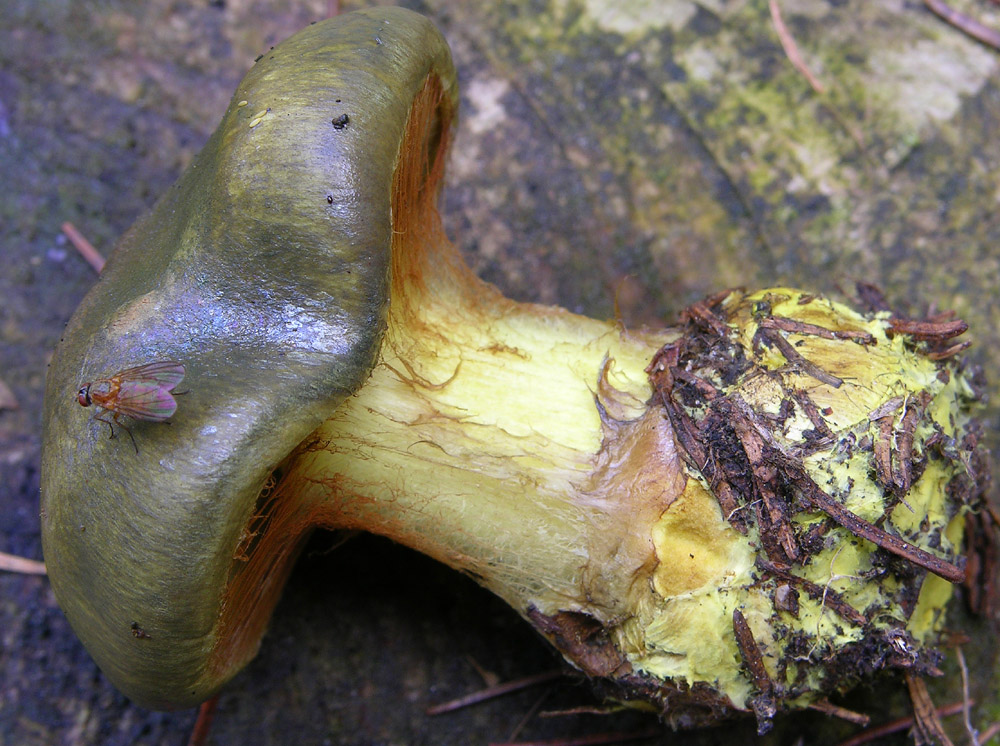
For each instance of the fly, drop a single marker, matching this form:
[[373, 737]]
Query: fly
[[141, 393]]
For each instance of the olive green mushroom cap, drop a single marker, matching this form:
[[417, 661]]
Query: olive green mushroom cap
[[264, 271]]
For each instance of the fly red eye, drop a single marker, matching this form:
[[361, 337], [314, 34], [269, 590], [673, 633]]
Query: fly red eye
[[83, 396]]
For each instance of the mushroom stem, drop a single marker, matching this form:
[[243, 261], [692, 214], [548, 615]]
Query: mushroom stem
[[485, 444]]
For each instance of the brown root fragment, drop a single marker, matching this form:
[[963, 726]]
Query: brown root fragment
[[927, 728], [831, 599], [703, 387], [982, 581], [701, 313], [871, 297], [812, 412], [663, 372], [858, 526], [766, 484], [583, 640], [791, 48], [898, 725], [828, 708], [773, 338], [801, 327], [933, 331], [763, 703], [949, 351], [492, 692], [786, 598], [887, 408], [966, 24], [882, 451], [903, 474]]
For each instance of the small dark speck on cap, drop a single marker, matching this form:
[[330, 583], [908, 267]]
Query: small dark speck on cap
[[340, 122]]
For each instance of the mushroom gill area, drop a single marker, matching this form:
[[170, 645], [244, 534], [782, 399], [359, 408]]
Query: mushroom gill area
[[482, 437]]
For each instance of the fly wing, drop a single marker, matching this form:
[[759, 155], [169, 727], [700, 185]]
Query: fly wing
[[164, 374], [144, 401]]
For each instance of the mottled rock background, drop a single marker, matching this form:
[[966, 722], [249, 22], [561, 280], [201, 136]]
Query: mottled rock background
[[649, 154]]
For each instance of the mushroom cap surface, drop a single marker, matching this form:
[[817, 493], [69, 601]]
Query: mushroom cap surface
[[264, 271]]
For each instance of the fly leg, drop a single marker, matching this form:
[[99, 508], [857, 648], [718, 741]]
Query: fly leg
[[126, 429], [99, 416]]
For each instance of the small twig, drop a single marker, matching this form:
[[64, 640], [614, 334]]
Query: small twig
[[895, 726], [703, 387], [701, 311], [870, 297], [490, 678], [894, 468], [809, 408], [990, 732], [949, 351], [926, 721], [532, 711], [966, 700], [605, 709], [595, 739], [204, 722], [791, 48], [661, 370], [796, 360], [7, 398], [85, 247], [964, 23], [927, 330], [765, 484], [913, 411], [802, 327], [828, 708], [882, 450], [750, 653], [830, 598], [13, 563], [762, 703], [860, 527], [493, 691]]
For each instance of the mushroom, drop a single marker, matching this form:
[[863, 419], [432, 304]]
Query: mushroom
[[725, 516]]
